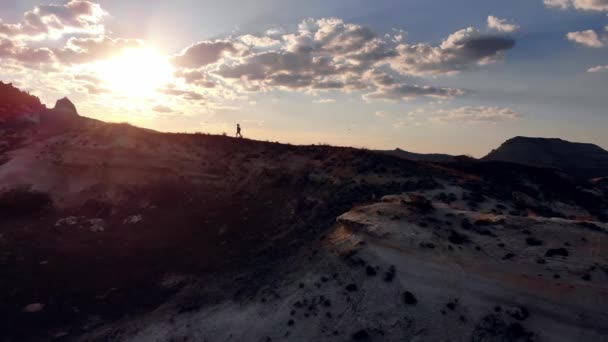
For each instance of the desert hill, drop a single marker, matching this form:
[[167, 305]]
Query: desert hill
[[579, 159], [430, 157], [110, 232]]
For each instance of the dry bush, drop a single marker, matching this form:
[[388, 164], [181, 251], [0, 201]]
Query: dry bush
[[23, 200]]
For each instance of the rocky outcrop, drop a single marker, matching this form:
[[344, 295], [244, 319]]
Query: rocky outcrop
[[65, 107]]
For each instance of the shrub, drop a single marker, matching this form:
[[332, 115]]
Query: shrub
[[23, 200]]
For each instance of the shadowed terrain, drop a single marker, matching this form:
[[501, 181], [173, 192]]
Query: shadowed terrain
[[110, 232]]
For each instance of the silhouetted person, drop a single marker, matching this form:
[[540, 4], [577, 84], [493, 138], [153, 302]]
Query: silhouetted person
[[238, 131]]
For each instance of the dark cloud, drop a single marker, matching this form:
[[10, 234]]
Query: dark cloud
[[186, 94], [486, 47], [34, 56], [91, 84], [400, 92], [196, 77], [7, 47], [460, 51], [477, 115], [203, 53]]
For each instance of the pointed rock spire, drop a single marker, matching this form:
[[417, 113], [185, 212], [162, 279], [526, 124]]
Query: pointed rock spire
[[65, 106]]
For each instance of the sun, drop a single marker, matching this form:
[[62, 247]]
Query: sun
[[136, 72]]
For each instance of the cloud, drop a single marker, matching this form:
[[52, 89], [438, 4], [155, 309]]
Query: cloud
[[599, 68], [204, 53], [381, 113], [468, 115], [563, 4], [16, 50], [53, 21], [77, 17], [583, 5], [197, 77], [262, 42], [91, 84], [589, 38], [398, 92], [186, 94], [162, 109], [85, 50], [321, 101], [460, 51], [94, 89], [321, 55], [330, 54], [501, 24]]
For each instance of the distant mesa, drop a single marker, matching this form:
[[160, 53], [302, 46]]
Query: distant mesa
[[580, 160]]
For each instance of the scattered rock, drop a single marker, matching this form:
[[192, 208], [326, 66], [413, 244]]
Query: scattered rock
[[351, 287], [390, 274], [457, 238], [591, 226], [531, 241], [508, 256], [370, 271], [67, 221], [419, 202], [493, 328], [519, 313], [361, 335], [522, 200], [556, 252], [409, 298], [133, 219], [33, 308], [516, 332], [452, 305], [97, 225]]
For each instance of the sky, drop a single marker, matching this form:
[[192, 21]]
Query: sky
[[458, 76]]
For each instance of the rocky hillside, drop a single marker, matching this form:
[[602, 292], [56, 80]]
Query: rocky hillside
[[109, 232], [578, 159], [15, 103]]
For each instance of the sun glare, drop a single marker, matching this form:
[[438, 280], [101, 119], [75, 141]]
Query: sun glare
[[136, 72]]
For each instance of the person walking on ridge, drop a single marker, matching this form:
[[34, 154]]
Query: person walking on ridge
[[238, 131]]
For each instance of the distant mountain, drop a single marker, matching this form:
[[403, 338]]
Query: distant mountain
[[431, 157], [578, 159]]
